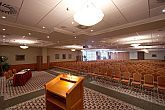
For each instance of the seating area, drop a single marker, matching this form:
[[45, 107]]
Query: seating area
[[144, 74], [15, 78]]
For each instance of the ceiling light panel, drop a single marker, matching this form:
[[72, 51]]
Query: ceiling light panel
[[73, 46], [32, 11], [23, 41]]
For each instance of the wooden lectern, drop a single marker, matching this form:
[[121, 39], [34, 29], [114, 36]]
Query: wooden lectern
[[64, 92]]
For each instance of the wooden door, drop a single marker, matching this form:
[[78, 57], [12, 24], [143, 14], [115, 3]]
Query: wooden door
[[140, 55]]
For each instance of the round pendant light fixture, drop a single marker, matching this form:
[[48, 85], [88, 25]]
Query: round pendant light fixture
[[88, 15]]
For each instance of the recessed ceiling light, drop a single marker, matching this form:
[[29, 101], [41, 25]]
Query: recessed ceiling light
[[158, 35], [75, 37], [43, 27], [93, 41], [3, 29], [3, 17], [47, 37], [91, 30], [163, 10], [29, 33], [72, 22], [3, 36]]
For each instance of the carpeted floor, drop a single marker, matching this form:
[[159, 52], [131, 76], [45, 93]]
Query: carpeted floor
[[93, 100], [98, 97], [39, 78], [154, 97]]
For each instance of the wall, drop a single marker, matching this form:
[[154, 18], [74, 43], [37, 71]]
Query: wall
[[52, 52], [120, 55], [12, 51], [160, 55], [31, 56], [148, 56], [133, 55]]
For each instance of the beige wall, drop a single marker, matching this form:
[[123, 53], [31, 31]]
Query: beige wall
[[160, 55], [12, 51], [52, 52], [31, 53]]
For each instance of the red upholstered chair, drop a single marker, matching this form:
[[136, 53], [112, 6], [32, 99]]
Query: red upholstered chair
[[136, 80], [117, 76], [161, 83], [10, 73], [148, 81], [8, 77], [125, 78], [14, 71]]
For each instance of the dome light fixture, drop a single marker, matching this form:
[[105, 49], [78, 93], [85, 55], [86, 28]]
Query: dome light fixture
[[23, 46], [88, 15]]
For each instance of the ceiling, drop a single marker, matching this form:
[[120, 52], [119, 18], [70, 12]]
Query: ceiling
[[125, 22]]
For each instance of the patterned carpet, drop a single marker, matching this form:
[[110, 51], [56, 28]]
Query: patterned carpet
[[38, 79], [93, 100], [154, 97]]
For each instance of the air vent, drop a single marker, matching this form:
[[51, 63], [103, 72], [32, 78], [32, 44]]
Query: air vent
[[83, 27], [8, 9]]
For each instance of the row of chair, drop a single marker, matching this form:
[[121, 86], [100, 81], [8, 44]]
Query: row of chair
[[146, 83], [122, 71]]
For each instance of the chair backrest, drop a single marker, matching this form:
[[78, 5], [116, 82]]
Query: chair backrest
[[137, 77], [10, 73], [14, 71], [7, 75], [148, 79], [126, 75], [117, 74], [161, 81]]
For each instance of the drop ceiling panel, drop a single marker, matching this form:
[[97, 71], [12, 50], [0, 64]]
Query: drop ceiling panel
[[157, 11], [32, 11], [98, 27], [57, 16], [133, 10], [68, 25], [110, 15], [156, 3]]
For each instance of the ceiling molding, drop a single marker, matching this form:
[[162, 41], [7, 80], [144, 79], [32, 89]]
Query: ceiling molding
[[23, 27], [70, 33], [62, 31], [140, 22]]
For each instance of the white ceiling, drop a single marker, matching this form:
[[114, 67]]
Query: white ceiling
[[124, 22]]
